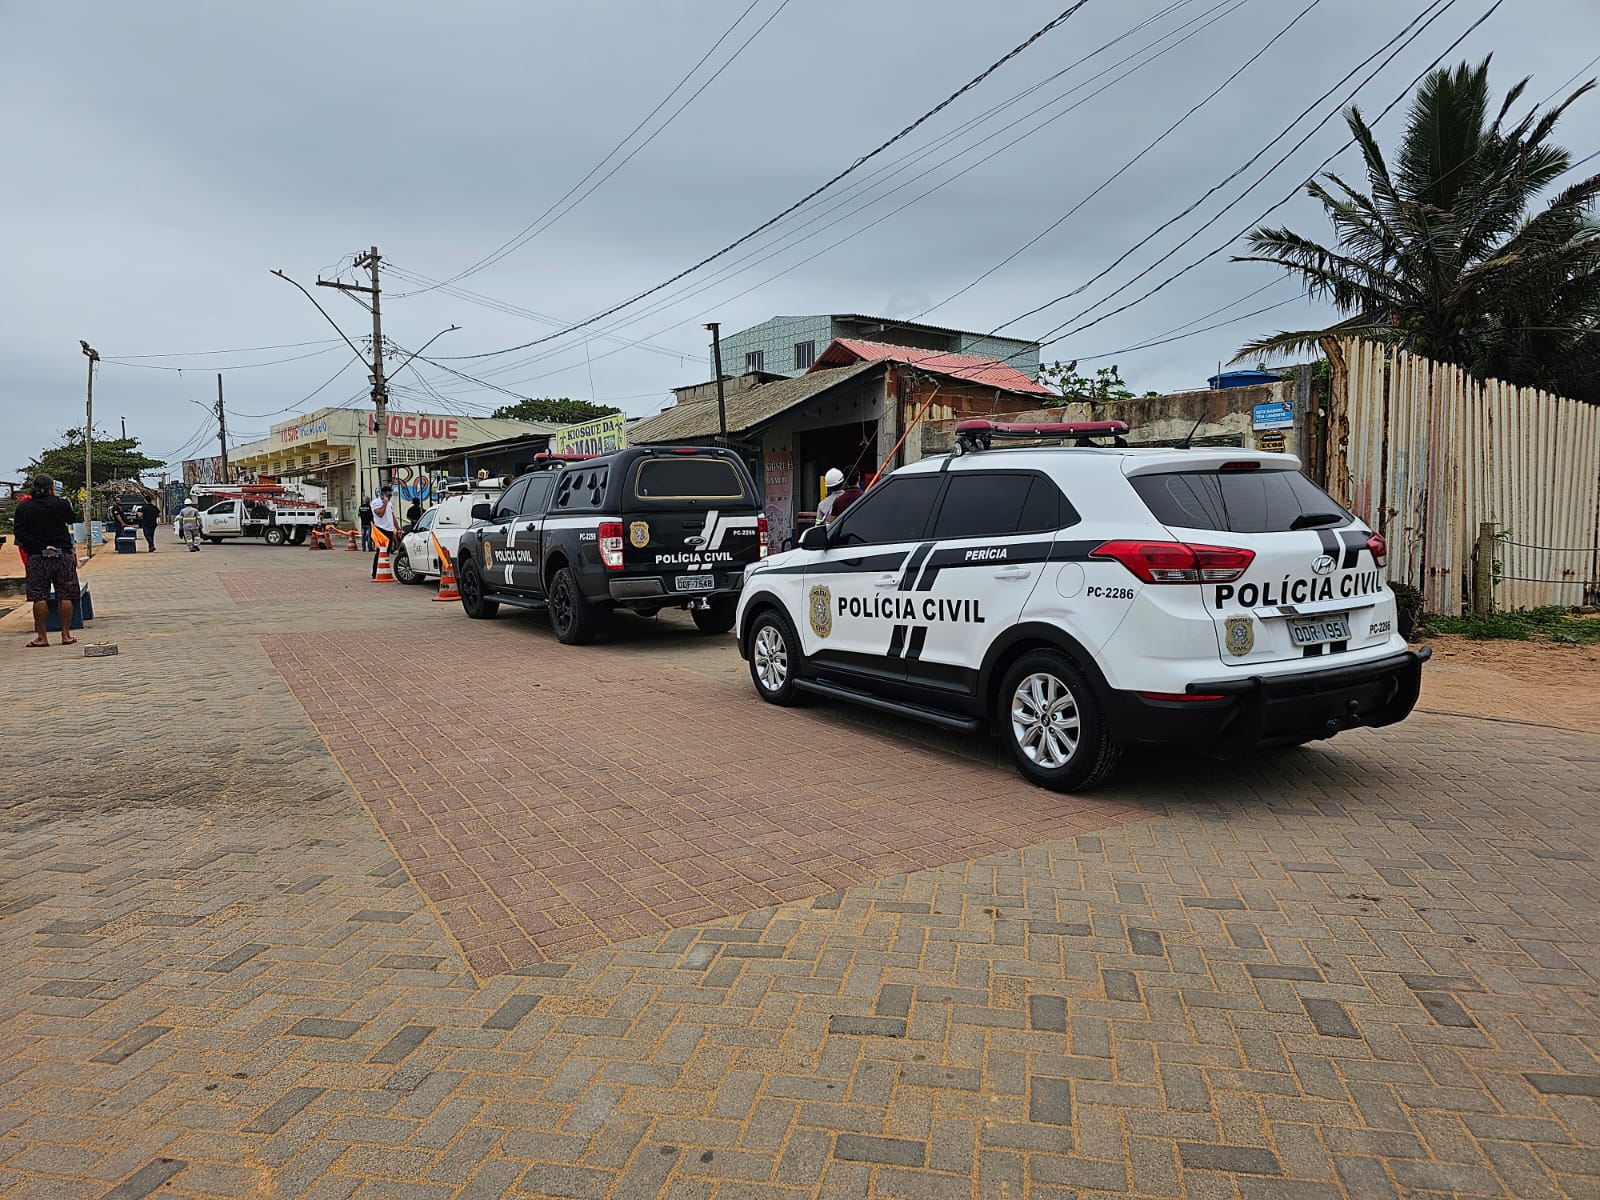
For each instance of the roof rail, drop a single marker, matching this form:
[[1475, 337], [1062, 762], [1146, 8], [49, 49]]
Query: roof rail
[[980, 434]]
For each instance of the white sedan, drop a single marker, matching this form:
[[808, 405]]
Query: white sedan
[[418, 561]]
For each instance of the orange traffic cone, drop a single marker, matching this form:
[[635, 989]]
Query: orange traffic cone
[[351, 534], [447, 575], [383, 574]]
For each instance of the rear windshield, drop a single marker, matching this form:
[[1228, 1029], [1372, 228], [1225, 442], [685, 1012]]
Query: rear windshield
[[688, 477], [1239, 501]]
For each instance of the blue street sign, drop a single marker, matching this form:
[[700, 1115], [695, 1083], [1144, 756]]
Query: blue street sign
[[1278, 415]]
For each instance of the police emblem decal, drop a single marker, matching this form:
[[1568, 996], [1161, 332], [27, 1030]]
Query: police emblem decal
[[488, 556], [1240, 635], [819, 607], [639, 534]]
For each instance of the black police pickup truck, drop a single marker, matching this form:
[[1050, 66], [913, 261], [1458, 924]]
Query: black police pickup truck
[[645, 528]]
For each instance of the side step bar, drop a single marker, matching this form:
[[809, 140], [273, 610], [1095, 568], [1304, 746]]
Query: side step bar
[[898, 708], [516, 601]]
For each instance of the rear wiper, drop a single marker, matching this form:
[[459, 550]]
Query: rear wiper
[[1312, 520]]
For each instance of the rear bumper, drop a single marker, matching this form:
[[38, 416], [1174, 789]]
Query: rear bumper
[[1265, 709], [656, 589]]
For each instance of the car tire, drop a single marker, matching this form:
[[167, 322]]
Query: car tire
[[215, 541], [572, 616], [774, 658], [275, 536], [1051, 722], [403, 571], [475, 601], [718, 617]]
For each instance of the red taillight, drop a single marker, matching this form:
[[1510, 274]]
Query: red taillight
[[1379, 548], [1248, 464], [611, 545], [1178, 562], [761, 533], [685, 450], [1177, 697]]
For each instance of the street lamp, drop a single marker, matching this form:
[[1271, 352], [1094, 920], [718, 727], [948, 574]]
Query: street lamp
[[88, 449]]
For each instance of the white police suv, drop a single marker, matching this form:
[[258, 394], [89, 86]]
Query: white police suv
[[1086, 596]]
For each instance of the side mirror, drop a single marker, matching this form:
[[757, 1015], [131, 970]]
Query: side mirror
[[815, 538], [482, 512]]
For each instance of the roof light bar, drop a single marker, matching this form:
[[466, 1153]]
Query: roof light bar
[[979, 434]]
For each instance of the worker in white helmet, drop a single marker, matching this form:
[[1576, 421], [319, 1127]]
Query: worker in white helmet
[[838, 499]]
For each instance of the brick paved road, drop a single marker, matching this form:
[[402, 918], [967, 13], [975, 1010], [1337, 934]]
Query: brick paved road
[[244, 958]]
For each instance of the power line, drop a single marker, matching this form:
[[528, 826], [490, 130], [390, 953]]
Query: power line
[[515, 310], [1410, 31], [1295, 191], [239, 350], [326, 348], [813, 194], [1570, 80], [883, 173], [306, 398], [539, 224], [1166, 341], [1117, 174], [1207, 18]]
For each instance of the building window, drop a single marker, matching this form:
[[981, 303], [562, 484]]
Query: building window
[[805, 353], [755, 360], [322, 459]]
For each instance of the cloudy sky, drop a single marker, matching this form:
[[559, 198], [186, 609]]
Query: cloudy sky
[[162, 158]]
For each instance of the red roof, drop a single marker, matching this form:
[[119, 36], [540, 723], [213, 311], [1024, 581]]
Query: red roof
[[990, 372]]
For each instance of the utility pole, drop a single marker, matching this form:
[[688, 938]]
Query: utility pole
[[88, 450], [222, 430], [716, 366], [380, 386]]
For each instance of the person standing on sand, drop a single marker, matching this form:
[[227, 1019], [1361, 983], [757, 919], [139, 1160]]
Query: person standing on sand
[[43, 524]]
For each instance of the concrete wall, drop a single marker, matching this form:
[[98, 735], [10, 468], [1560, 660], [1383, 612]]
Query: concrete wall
[[1154, 420]]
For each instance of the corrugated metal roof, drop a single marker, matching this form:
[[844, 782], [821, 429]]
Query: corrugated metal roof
[[920, 325], [989, 372], [746, 410]]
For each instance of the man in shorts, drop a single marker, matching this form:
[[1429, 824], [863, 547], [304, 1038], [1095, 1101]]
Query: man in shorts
[[43, 525]]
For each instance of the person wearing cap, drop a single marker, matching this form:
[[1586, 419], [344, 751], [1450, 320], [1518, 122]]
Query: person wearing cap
[[383, 526], [838, 499]]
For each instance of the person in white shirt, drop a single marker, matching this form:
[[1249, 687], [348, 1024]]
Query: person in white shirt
[[383, 525]]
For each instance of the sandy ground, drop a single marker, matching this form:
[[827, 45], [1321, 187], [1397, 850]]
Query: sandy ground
[[1521, 681], [1518, 681]]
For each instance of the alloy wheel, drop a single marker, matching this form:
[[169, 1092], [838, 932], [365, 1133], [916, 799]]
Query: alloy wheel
[[771, 658], [1045, 720]]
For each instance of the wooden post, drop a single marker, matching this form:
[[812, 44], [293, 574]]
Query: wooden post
[[1483, 572]]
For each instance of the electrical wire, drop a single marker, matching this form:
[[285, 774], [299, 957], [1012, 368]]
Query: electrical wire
[[755, 258], [306, 398], [212, 353], [326, 348], [1570, 80], [540, 224], [1120, 171], [1167, 341], [1052, 335], [1409, 33], [813, 194], [894, 166]]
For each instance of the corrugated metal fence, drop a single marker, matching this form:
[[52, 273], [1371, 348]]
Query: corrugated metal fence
[[1424, 453]]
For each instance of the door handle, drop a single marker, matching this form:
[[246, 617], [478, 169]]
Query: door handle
[[887, 581], [1012, 573]]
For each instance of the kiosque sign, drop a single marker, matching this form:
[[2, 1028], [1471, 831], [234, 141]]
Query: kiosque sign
[[600, 436]]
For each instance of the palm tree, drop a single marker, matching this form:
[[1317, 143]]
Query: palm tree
[[1442, 257]]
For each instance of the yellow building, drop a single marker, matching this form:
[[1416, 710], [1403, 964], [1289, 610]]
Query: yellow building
[[337, 448]]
